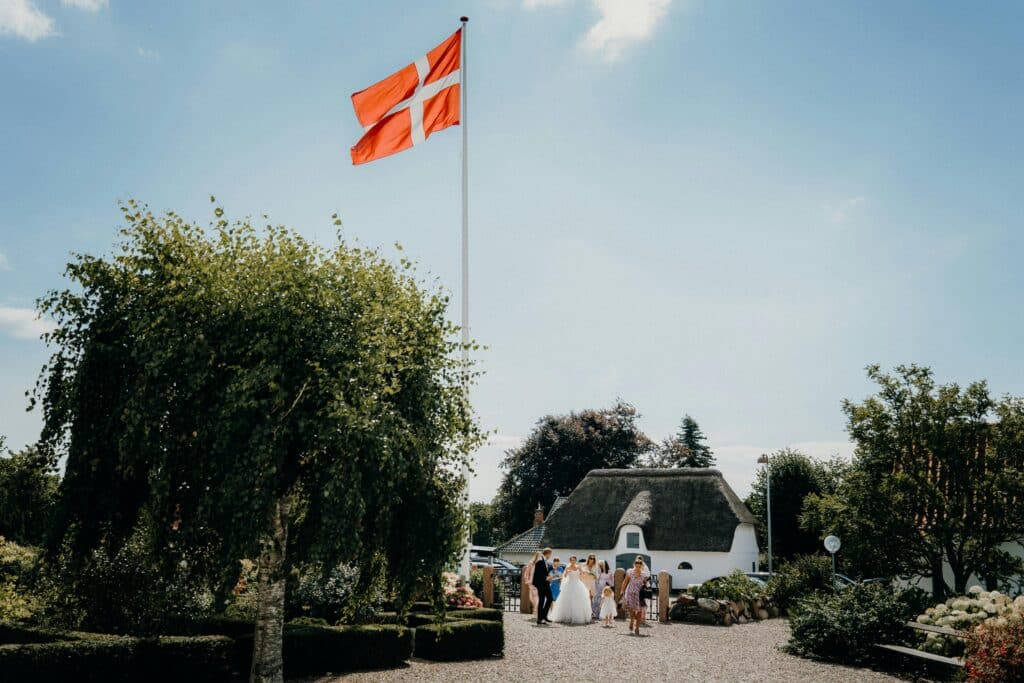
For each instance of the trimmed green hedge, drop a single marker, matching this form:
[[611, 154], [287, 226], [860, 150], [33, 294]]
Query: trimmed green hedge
[[460, 639], [485, 613], [91, 657], [310, 650], [213, 626]]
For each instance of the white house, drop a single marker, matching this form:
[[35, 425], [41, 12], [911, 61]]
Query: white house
[[685, 521]]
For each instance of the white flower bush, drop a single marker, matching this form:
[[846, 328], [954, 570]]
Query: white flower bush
[[965, 613]]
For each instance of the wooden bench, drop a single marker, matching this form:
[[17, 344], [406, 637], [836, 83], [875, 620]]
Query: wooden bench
[[928, 656]]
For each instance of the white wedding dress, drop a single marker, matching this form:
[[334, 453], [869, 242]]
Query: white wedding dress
[[573, 605]]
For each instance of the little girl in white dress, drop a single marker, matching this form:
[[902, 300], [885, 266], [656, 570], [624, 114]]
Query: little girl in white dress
[[608, 608]]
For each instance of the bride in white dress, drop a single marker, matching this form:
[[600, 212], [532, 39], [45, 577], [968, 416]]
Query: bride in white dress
[[573, 605]]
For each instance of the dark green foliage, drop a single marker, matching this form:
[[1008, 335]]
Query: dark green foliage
[[558, 454], [799, 578], [736, 587], [795, 476], [461, 639], [386, 618], [485, 613], [421, 606], [116, 659], [212, 626], [28, 493], [482, 526], [476, 582], [844, 626], [686, 448], [16, 634], [937, 477], [312, 650], [417, 619]]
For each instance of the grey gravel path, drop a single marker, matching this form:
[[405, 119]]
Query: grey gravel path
[[679, 652]]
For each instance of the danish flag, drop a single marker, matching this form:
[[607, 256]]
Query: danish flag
[[406, 107]]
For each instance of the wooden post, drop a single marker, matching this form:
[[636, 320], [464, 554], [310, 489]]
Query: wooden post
[[488, 598], [664, 589], [525, 601], [620, 577]]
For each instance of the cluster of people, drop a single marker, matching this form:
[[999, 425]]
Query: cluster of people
[[581, 593]]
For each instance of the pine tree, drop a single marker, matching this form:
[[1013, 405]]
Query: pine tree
[[686, 448]]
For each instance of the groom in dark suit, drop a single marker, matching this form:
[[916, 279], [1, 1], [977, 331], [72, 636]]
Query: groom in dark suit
[[543, 586]]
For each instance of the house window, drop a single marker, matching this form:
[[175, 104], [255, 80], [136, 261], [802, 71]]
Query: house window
[[685, 565], [632, 539]]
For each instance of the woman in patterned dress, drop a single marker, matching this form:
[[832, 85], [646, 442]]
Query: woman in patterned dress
[[635, 579], [588, 575], [604, 578]]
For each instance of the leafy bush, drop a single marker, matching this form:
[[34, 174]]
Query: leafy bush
[[736, 587], [335, 596], [800, 578], [995, 652], [485, 613], [843, 626], [90, 657], [460, 639], [311, 650], [476, 582], [18, 599]]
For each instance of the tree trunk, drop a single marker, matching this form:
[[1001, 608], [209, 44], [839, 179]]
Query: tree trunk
[[938, 580], [268, 644]]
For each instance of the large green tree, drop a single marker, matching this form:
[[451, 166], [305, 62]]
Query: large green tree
[[937, 477], [794, 477], [252, 395], [481, 518], [685, 448], [28, 491], [558, 454]]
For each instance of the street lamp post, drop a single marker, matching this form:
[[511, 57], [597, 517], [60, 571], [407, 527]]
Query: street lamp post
[[766, 461]]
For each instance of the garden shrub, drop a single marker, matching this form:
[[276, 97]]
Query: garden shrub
[[460, 639], [485, 613], [965, 613], [736, 587], [456, 593], [995, 652], [800, 578], [417, 619], [386, 618], [476, 582], [311, 650], [844, 626], [116, 659], [18, 600]]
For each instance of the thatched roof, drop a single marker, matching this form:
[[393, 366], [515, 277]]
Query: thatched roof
[[678, 509], [529, 540]]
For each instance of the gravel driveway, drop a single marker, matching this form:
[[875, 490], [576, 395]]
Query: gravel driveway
[[689, 652]]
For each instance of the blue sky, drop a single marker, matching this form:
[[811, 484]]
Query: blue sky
[[720, 208]]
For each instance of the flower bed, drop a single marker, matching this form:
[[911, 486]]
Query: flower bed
[[458, 594], [965, 613]]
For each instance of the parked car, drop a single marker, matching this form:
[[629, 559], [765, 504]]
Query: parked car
[[501, 567]]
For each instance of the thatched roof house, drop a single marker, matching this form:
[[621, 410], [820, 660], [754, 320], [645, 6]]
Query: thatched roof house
[[521, 547], [686, 521]]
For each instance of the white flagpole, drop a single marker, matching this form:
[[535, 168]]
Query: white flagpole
[[464, 565]]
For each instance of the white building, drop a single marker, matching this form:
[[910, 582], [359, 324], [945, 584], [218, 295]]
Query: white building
[[688, 522]]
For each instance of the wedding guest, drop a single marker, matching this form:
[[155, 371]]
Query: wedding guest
[[528, 578], [604, 578], [557, 570], [631, 599], [589, 576], [608, 608]]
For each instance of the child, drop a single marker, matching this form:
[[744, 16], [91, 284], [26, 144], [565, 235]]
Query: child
[[608, 608]]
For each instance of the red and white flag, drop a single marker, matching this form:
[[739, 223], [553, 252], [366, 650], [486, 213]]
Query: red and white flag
[[406, 107]]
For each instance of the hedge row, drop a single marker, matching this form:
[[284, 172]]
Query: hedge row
[[46, 657], [310, 650], [460, 639], [417, 619]]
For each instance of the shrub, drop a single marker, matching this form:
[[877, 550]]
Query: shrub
[[995, 652], [476, 582], [799, 579], [460, 639], [18, 600], [458, 594], [736, 587], [844, 626], [95, 657], [485, 613], [311, 650], [965, 613]]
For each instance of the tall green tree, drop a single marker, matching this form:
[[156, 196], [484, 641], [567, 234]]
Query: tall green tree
[[794, 477], [685, 448], [557, 456], [481, 520], [28, 492], [937, 478], [252, 395]]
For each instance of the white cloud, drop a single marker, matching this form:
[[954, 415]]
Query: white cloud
[[21, 18], [147, 54], [623, 23], [841, 211], [534, 4], [23, 323], [87, 5], [4, 263]]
